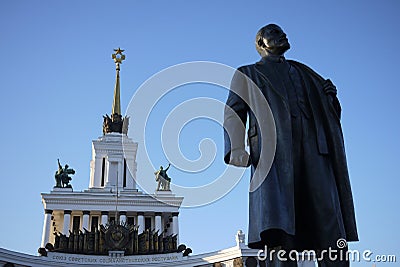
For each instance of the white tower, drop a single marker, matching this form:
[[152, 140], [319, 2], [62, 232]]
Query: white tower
[[112, 195], [114, 154], [113, 160]]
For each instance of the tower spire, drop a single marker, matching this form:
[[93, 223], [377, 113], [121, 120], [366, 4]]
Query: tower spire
[[118, 58], [116, 123]]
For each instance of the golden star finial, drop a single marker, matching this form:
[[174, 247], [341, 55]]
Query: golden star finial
[[118, 56], [119, 51]]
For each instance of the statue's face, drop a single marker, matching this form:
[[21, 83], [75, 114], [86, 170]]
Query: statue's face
[[275, 40]]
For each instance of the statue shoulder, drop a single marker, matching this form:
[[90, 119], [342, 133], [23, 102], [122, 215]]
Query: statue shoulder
[[244, 72], [306, 69], [247, 69]]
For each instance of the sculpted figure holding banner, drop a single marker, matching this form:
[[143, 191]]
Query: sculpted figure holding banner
[[303, 200], [163, 179], [62, 176]]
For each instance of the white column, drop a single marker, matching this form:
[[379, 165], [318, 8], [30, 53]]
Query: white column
[[120, 175], [91, 181], [131, 167], [113, 170], [96, 169], [157, 223], [85, 220], [140, 222], [46, 227], [67, 221], [175, 225], [107, 174], [104, 217]]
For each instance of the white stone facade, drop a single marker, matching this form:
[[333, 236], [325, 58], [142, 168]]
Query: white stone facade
[[113, 159], [91, 208]]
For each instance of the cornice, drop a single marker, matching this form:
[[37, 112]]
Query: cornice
[[106, 199]]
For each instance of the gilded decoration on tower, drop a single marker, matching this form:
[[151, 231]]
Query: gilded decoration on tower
[[116, 123]]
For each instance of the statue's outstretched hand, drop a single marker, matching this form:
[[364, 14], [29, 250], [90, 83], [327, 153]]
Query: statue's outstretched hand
[[239, 158]]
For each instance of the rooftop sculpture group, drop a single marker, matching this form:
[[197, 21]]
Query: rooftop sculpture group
[[121, 237], [62, 176]]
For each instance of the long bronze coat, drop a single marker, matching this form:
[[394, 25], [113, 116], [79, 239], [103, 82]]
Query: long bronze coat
[[271, 206]]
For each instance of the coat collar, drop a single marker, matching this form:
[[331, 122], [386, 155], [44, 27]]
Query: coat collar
[[271, 59]]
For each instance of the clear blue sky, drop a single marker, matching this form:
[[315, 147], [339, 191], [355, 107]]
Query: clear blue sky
[[57, 78]]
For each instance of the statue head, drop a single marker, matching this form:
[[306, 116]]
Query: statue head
[[161, 167], [271, 39], [66, 166]]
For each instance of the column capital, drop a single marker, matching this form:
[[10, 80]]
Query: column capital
[[86, 212], [104, 213], [175, 214], [48, 211], [122, 213], [158, 214], [67, 211], [140, 213]]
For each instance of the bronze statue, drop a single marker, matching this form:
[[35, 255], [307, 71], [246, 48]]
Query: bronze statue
[[62, 176], [114, 237], [115, 124], [304, 201], [163, 179]]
